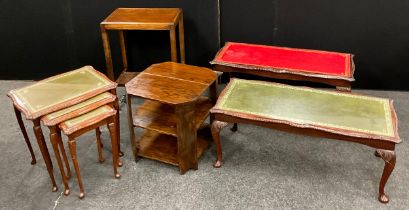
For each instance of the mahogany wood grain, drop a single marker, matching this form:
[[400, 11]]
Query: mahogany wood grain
[[171, 90]]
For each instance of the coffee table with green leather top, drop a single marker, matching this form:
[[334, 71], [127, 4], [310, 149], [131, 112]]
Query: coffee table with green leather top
[[53, 94], [330, 114]]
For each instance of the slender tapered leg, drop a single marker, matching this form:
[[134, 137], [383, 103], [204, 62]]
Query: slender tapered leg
[[115, 156], [54, 142], [44, 152], [186, 137], [217, 126], [23, 130], [181, 39], [117, 124], [62, 151], [107, 51], [173, 48], [73, 150], [134, 143], [99, 145], [389, 156]]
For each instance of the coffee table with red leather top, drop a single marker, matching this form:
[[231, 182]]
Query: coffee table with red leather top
[[331, 68]]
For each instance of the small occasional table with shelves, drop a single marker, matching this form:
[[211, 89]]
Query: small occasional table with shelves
[[172, 114]]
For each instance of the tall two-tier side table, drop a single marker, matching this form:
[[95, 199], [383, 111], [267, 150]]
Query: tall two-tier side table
[[123, 19], [172, 114]]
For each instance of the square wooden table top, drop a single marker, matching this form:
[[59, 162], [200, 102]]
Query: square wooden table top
[[331, 111], [171, 83], [60, 91], [142, 18], [312, 63]]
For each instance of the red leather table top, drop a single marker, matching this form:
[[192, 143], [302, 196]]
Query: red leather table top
[[286, 60]]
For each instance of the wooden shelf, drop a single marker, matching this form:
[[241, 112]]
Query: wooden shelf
[[125, 77], [161, 147], [161, 118]]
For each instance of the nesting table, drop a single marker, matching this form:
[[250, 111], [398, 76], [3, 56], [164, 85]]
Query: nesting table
[[333, 68], [53, 94], [172, 114], [123, 19], [329, 114]]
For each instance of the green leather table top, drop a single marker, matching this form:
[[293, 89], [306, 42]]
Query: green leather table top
[[87, 119], [62, 115], [60, 91], [307, 106]]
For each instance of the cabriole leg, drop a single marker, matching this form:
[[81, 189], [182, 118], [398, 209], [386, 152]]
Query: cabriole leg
[[115, 156], [217, 126], [389, 157], [23, 130], [73, 150], [54, 142]]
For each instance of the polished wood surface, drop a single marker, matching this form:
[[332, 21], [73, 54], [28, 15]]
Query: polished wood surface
[[171, 83], [162, 118], [123, 19], [142, 18], [385, 146], [164, 148], [174, 108]]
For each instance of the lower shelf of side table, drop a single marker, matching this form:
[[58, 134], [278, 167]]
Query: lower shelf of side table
[[161, 118], [162, 147], [125, 76]]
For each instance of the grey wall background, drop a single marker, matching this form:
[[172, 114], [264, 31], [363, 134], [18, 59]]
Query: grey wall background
[[42, 38]]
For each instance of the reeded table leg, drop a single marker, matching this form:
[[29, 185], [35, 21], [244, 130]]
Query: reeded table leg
[[217, 126], [44, 152], [23, 130], [186, 137], [389, 157]]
